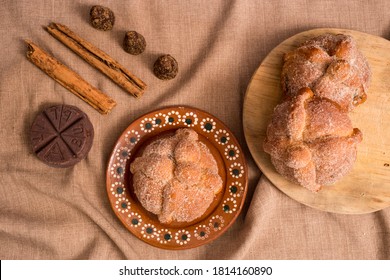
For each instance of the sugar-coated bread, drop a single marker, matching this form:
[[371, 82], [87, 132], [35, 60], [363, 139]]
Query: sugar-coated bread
[[332, 66], [311, 140], [176, 177]]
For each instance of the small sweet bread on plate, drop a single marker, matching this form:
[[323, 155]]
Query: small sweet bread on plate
[[176, 177]]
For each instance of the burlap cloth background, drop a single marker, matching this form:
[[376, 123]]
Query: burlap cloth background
[[48, 213]]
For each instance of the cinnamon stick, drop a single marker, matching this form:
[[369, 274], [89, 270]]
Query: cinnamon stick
[[69, 79], [99, 59]]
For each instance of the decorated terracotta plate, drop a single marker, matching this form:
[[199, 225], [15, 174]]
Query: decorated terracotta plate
[[367, 187], [226, 205]]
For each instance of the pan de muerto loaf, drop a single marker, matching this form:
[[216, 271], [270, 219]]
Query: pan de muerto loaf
[[311, 140], [310, 137], [176, 177], [332, 66]]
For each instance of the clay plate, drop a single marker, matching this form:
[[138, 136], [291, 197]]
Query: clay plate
[[226, 205], [367, 187]]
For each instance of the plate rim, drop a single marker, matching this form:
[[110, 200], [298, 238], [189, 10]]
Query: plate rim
[[244, 186]]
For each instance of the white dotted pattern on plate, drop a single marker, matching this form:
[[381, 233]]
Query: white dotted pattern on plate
[[235, 182]]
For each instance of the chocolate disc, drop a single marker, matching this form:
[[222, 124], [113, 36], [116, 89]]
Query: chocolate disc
[[61, 135]]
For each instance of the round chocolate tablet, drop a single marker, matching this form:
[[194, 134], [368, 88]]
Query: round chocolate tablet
[[61, 135]]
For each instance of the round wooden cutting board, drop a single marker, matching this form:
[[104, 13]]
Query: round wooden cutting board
[[367, 187]]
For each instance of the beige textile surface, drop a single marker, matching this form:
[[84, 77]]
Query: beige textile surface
[[48, 213]]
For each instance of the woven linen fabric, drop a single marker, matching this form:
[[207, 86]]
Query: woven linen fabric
[[52, 213]]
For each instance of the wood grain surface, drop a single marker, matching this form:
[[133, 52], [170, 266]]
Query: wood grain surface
[[367, 187]]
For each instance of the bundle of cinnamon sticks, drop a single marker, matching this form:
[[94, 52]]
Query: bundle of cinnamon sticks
[[95, 57]]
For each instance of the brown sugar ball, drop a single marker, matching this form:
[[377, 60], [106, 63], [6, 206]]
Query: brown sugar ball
[[165, 67], [134, 43], [102, 18]]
